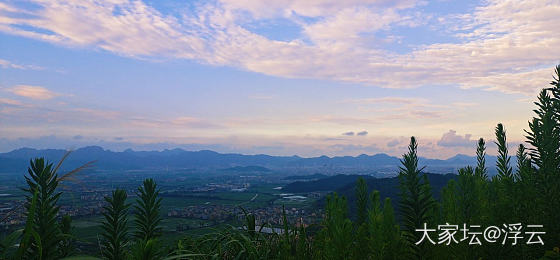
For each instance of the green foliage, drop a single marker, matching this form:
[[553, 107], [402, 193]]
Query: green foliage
[[375, 220], [228, 243], [115, 229], [503, 161], [417, 204], [66, 246], [470, 196], [294, 242], [504, 181], [28, 231], [146, 250], [392, 240], [335, 237], [42, 181], [43, 236], [544, 137], [361, 200], [361, 225], [481, 170], [450, 205], [463, 202], [8, 244], [385, 241], [525, 189], [248, 243], [523, 164], [147, 211], [251, 223]]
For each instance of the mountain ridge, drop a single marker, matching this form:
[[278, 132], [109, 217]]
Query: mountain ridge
[[18, 159]]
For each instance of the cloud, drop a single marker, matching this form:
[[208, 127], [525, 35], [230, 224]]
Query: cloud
[[398, 108], [33, 92], [286, 8], [11, 102], [387, 100], [351, 133], [502, 45], [6, 64], [393, 143], [192, 122], [451, 139], [96, 113], [345, 26], [426, 114]]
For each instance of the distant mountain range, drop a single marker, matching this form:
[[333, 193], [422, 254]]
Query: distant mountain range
[[18, 160]]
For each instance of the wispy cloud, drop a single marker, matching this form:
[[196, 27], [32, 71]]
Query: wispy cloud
[[12, 102], [502, 45], [386, 100], [286, 8], [6, 64], [96, 114], [33, 92]]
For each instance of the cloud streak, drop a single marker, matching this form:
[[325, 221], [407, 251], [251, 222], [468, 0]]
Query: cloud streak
[[362, 133], [6, 64], [33, 92]]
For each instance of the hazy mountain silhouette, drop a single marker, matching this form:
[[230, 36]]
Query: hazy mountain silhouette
[[18, 160]]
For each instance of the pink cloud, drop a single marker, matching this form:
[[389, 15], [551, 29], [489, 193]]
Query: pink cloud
[[33, 92]]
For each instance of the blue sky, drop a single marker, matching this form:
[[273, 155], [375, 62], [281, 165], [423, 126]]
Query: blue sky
[[279, 77]]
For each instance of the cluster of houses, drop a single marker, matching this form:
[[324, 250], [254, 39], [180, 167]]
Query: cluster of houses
[[267, 215], [205, 212]]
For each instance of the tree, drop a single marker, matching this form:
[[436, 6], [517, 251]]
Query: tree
[[463, 202], [417, 203], [42, 179], [375, 221], [503, 182], [147, 211], [480, 169], [361, 223], [544, 137], [115, 229], [335, 238], [361, 200], [393, 247], [66, 246], [505, 171]]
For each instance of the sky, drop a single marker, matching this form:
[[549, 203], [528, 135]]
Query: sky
[[279, 77]]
